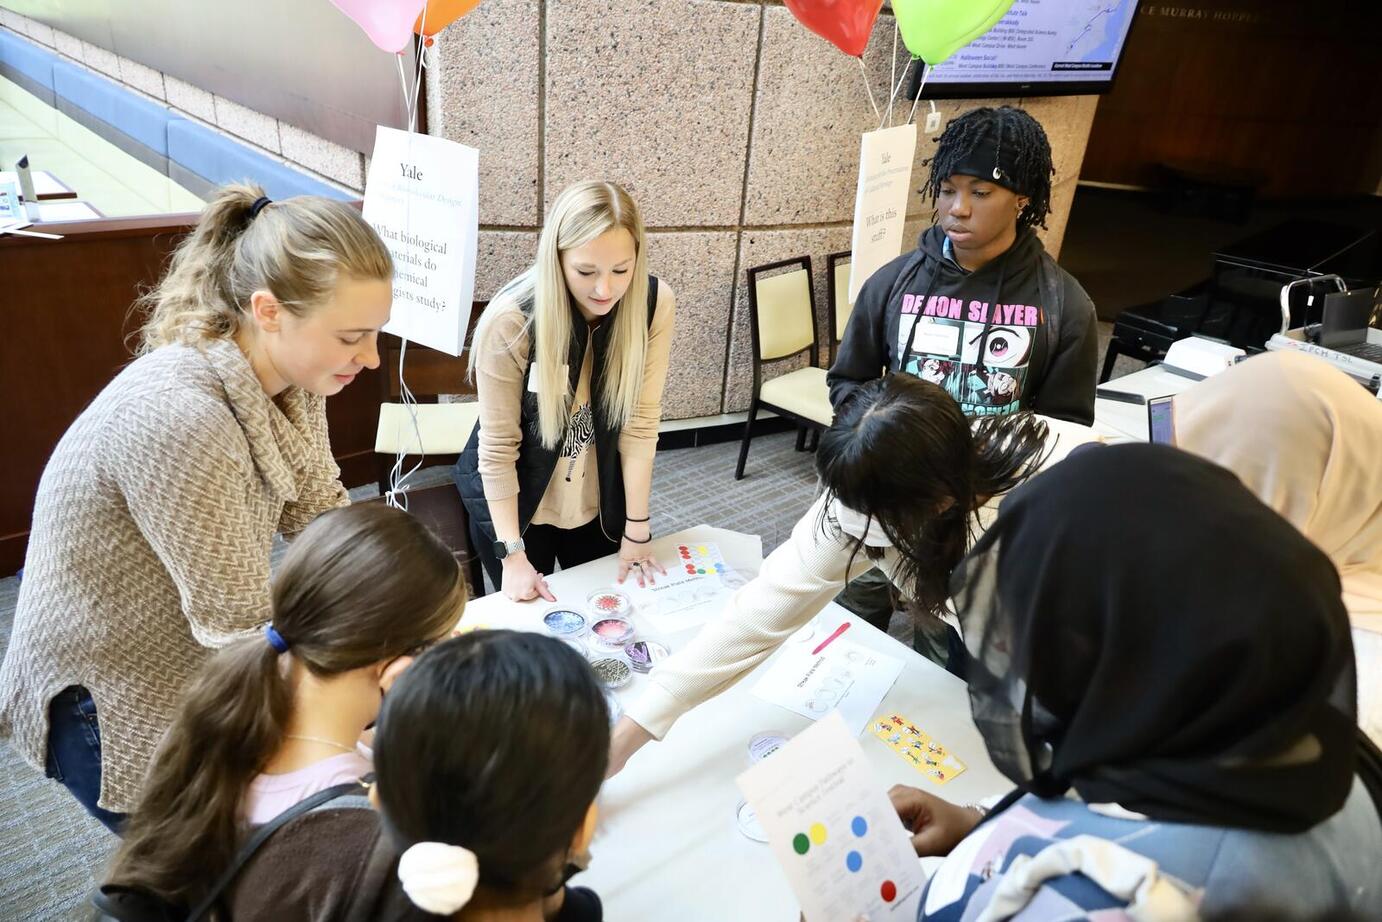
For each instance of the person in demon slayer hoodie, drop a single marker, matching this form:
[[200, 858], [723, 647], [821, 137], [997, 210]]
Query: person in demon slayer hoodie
[[979, 307]]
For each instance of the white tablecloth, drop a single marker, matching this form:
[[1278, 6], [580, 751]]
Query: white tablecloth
[[668, 847]]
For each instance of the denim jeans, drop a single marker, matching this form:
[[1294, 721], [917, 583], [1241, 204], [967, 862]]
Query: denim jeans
[[74, 751]]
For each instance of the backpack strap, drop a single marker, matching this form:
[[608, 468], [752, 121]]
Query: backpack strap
[[1052, 288], [131, 904], [374, 879], [261, 835], [652, 298]]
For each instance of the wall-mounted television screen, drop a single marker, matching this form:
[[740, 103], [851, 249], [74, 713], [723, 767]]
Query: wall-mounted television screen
[[1040, 48]]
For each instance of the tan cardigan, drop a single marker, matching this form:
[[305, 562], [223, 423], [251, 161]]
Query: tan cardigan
[[150, 545], [499, 368]]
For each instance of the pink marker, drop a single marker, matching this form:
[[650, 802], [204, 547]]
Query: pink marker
[[836, 633]]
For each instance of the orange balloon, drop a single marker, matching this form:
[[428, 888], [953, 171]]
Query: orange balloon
[[442, 13]]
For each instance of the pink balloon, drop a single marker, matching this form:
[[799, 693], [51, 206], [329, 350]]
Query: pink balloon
[[388, 23]]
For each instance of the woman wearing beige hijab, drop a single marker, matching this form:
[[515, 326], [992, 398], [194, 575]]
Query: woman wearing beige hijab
[[1308, 441]]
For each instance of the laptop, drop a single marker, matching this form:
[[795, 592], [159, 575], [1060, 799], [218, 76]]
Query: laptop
[[1348, 315]]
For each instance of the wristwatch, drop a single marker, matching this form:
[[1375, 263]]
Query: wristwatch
[[503, 549]]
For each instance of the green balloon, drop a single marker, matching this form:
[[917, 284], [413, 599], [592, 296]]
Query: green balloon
[[933, 30]]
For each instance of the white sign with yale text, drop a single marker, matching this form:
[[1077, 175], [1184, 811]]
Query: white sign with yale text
[[422, 198], [880, 205]]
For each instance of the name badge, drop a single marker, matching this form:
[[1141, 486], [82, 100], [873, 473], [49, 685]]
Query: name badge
[[533, 379], [935, 338]]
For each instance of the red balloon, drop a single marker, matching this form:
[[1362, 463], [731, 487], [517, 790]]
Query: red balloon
[[846, 24]]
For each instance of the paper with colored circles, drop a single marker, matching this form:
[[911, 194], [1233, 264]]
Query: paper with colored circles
[[832, 828], [935, 763], [697, 586]]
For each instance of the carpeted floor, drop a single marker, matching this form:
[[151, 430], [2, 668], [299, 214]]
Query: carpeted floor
[[51, 852]]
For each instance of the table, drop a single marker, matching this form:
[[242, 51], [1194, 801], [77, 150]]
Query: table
[[1128, 421], [47, 187], [66, 210], [668, 846]]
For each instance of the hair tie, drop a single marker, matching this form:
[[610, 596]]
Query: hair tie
[[437, 877], [275, 639], [258, 206]]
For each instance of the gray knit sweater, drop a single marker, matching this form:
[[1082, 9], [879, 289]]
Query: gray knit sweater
[[150, 545]]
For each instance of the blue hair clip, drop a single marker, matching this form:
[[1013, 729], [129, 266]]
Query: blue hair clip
[[275, 639]]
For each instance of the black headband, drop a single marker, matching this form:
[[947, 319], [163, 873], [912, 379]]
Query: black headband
[[258, 206], [988, 157], [991, 161]]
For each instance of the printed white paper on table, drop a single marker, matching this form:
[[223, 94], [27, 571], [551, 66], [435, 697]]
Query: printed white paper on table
[[697, 586], [11, 206], [45, 184], [880, 203], [844, 677], [833, 830], [422, 196]]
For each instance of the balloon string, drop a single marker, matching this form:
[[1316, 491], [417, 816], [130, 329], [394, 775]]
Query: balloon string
[[397, 494], [417, 78], [403, 83], [892, 75], [925, 72], [869, 89], [897, 89]]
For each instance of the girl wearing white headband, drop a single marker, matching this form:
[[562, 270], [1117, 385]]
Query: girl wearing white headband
[[489, 752]]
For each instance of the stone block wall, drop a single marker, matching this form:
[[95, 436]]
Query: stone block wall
[[735, 128]]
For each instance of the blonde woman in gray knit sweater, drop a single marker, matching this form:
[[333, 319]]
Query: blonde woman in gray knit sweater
[[151, 531]]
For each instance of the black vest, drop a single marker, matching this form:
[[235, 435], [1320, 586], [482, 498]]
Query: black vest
[[536, 463]]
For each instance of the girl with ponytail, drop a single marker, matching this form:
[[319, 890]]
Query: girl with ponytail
[[276, 717], [489, 753], [908, 481], [151, 529]]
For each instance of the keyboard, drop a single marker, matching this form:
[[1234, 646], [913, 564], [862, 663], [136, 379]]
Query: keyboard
[[1367, 351]]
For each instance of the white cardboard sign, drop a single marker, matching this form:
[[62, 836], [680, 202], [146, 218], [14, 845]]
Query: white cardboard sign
[[880, 204], [422, 197], [833, 830]]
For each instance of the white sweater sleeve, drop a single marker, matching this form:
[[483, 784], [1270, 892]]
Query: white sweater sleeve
[[797, 580]]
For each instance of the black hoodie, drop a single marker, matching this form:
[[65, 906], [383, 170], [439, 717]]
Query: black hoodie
[[1017, 333]]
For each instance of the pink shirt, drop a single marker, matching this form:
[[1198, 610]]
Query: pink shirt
[[270, 795]]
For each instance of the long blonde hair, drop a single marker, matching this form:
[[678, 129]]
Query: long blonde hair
[[580, 214], [296, 248]]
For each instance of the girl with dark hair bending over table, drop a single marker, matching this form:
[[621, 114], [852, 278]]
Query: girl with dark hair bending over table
[[907, 479]]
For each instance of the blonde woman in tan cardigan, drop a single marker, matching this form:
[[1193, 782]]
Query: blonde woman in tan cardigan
[[569, 361], [151, 530]]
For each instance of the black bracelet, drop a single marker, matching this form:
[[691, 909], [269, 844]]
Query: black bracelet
[[647, 540], [631, 519]]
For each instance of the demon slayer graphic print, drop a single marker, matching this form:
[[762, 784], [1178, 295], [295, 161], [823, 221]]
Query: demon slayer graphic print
[[978, 352]]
